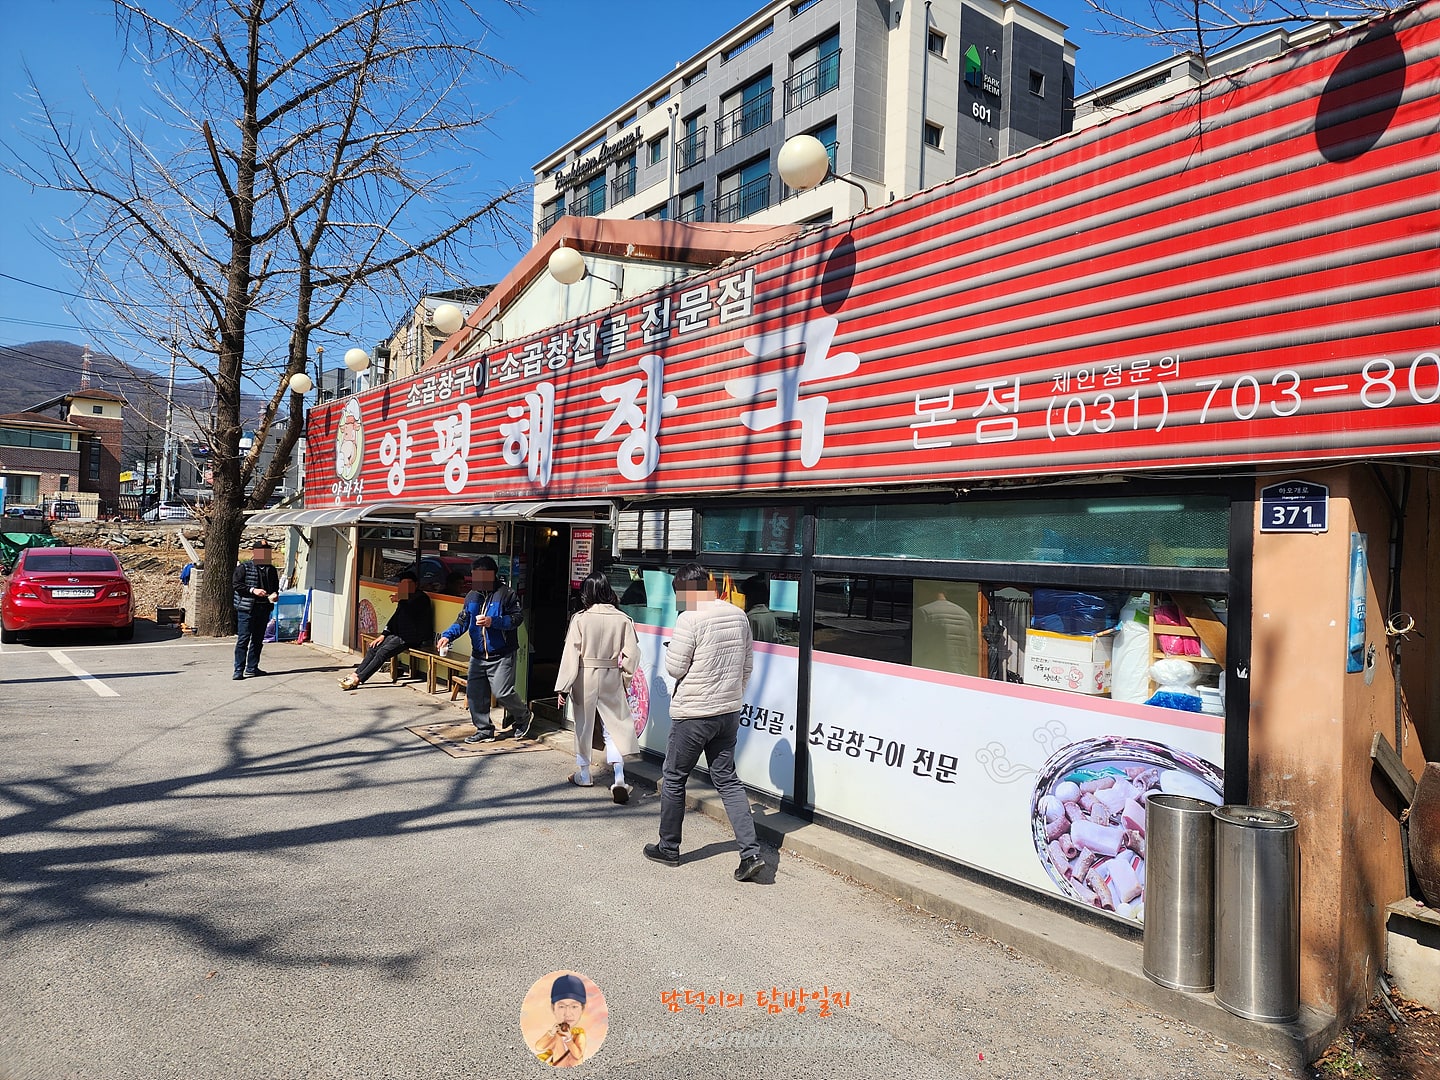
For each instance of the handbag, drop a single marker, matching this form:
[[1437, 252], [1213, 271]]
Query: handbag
[[637, 693]]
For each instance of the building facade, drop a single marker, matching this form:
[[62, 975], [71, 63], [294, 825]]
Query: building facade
[[903, 95], [74, 458], [1112, 463]]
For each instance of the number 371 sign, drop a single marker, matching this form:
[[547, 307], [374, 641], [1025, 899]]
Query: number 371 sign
[[1295, 506]]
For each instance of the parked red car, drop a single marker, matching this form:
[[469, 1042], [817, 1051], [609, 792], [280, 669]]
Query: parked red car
[[56, 588]]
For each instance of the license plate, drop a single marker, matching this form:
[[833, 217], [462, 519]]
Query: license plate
[[68, 594]]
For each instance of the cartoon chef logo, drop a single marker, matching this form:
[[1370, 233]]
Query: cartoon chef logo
[[349, 442]]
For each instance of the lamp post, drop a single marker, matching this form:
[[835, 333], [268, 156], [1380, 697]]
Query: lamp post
[[805, 163]]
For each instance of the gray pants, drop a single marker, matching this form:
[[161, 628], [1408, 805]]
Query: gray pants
[[714, 736], [492, 674]]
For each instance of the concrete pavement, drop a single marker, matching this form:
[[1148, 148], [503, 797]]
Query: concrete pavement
[[274, 879]]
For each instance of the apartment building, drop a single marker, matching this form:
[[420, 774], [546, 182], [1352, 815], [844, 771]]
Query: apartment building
[[903, 95]]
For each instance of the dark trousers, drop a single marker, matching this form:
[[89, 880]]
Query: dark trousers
[[497, 674], [250, 629], [379, 654], [713, 736]]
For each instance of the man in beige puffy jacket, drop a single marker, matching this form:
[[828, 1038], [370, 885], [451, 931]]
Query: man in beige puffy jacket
[[710, 656]]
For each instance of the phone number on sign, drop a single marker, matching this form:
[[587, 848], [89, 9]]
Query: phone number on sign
[[1243, 398]]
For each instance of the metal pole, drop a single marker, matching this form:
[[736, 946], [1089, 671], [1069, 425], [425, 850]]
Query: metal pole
[[169, 415]]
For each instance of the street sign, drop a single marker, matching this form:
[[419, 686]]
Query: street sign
[[1295, 506]]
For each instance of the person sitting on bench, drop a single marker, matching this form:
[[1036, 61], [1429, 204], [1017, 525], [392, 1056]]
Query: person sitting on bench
[[409, 627]]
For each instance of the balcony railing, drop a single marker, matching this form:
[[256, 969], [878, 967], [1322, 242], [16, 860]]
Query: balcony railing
[[690, 150], [588, 203], [545, 223], [813, 82], [749, 198], [746, 120], [695, 213], [623, 186]]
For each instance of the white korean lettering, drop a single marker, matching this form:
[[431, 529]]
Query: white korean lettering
[[395, 452], [452, 437], [639, 452], [528, 440], [787, 384]]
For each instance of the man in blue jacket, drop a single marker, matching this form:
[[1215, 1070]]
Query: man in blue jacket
[[492, 617]]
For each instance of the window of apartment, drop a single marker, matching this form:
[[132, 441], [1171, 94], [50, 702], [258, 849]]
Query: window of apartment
[[802, 6], [735, 50], [22, 489], [36, 439], [97, 410], [814, 71], [1037, 83], [744, 111], [65, 481], [693, 78], [550, 213], [623, 186], [744, 192], [655, 149], [933, 135], [935, 42], [660, 213], [659, 99], [691, 205], [690, 150], [94, 469], [629, 120], [590, 198]]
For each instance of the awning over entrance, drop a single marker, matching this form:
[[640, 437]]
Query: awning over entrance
[[333, 515], [573, 512]]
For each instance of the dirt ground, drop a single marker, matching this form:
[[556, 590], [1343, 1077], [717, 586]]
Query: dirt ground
[[1375, 1047], [154, 576]]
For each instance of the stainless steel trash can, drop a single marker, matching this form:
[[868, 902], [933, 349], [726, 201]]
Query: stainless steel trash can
[[1180, 892], [1257, 914]]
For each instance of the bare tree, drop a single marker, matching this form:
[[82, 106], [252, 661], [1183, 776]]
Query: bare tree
[[292, 169], [1203, 27]]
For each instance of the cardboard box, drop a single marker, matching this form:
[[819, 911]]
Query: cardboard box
[[1075, 663]]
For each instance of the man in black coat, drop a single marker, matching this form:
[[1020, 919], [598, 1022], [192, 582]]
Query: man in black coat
[[409, 627], [256, 586]]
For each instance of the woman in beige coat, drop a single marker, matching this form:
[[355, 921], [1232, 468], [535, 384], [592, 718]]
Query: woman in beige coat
[[600, 656]]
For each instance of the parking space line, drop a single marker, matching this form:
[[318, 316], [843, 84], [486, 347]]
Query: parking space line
[[81, 674]]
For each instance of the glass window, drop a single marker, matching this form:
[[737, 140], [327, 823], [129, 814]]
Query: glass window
[[1181, 531], [752, 530], [1037, 83], [37, 439], [933, 135], [935, 42], [22, 489], [657, 149], [95, 459]]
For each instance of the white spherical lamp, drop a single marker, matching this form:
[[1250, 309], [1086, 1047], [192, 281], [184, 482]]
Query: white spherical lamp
[[447, 318], [301, 383], [357, 360], [566, 266], [803, 162]]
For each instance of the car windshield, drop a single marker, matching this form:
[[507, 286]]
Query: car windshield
[[69, 564]]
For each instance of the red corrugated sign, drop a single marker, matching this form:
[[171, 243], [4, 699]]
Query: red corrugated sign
[[1249, 274]]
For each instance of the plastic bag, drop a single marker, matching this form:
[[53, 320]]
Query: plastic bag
[[1130, 662], [638, 695], [1065, 611], [1175, 681]]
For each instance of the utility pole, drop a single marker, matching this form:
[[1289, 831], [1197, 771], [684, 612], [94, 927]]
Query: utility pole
[[169, 417]]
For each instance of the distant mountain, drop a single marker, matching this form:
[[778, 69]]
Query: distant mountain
[[40, 370]]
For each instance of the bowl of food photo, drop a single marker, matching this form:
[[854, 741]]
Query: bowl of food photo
[[1088, 812]]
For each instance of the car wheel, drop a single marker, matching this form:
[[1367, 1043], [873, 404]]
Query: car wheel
[[8, 636], [125, 633]]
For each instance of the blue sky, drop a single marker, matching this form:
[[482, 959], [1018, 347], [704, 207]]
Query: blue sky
[[573, 61]]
